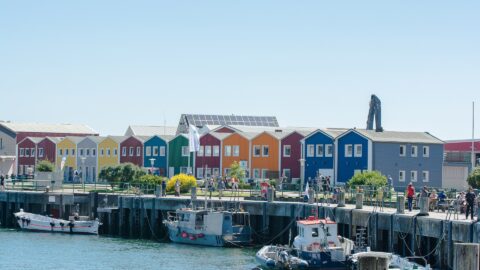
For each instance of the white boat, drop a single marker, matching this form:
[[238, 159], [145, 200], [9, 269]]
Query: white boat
[[76, 224], [279, 257], [396, 262]]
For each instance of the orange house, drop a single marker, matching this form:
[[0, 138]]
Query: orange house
[[265, 149], [236, 147]]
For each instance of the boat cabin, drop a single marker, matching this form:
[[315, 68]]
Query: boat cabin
[[212, 222], [316, 234]]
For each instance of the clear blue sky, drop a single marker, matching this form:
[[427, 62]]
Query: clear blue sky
[[311, 63]]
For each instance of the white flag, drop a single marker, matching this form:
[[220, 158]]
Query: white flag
[[193, 139], [306, 190], [62, 164]]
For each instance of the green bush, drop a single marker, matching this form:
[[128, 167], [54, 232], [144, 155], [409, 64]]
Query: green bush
[[474, 178], [149, 179], [126, 172], [45, 166], [368, 178], [186, 182], [237, 171]]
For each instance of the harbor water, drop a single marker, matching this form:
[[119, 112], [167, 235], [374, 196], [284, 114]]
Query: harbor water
[[28, 250]]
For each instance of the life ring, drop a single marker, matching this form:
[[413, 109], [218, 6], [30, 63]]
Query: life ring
[[184, 235]]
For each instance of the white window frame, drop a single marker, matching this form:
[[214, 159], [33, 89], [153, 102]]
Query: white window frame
[[285, 170], [87, 152], [66, 152], [148, 151], [208, 150], [102, 152], [328, 150], [81, 152], [185, 151], [414, 151], [109, 152], [130, 151], [201, 150], [124, 151], [72, 152], [32, 152], [236, 150], [401, 176], [256, 173], [319, 150], [60, 151], [227, 171], [22, 152], [184, 169], [413, 176], [255, 148], [228, 151], [425, 176], [264, 173], [426, 151], [162, 151], [216, 150], [347, 148], [115, 152], [208, 172], [216, 171], [285, 148], [40, 152], [404, 147], [139, 151], [265, 147], [200, 173], [94, 152], [310, 150], [155, 151], [357, 153]]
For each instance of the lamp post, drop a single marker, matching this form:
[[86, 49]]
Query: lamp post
[[152, 162], [302, 175], [83, 168]]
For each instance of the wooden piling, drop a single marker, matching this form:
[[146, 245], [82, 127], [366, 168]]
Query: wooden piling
[[466, 256]]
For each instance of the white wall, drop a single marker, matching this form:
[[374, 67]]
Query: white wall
[[455, 177]]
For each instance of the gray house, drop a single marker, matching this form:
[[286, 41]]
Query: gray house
[[87, 158]]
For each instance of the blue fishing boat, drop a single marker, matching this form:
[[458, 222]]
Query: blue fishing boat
[[209, 227]]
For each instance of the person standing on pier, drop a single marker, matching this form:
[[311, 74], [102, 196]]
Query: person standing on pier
[[177, 188], [470, 198], [410, 195], [164, 188], [2, 182]]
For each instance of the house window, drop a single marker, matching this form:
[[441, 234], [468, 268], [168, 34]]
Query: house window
[[162, 151], [80, 151], [402, 150], [40, 152], [227, 171], [256, 173], [60, 152], [94, 152], [115, 151], [155, 151], [425, 176], [348, 150], [328, 150], [216, 171], [139, 151], [22, 152], [148, 151], [286, 173], [88, 152], [32, 152], [319, 150], [66, 152], [310, 150], [200, 173], [185, 151], [200, 151], [413, 176], [256, 150], [264, 173], [216, 151], [73, 152], [130, 152], [102, 152], [414, 151], [208, 172], [208, 150], [124, 151], [184, 169], [236, 150], [426, 151], [287, 150], [358, 150], [265, 150], [108, 151], [228, 150], [401, 176]]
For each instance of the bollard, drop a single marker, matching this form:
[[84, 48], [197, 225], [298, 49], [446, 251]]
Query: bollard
[[270, 194], [158, 191], [423, 203], [373, 261], [311, 196], [359, 201], [193, 193], [341, 199], [400, 204], [466, 256]]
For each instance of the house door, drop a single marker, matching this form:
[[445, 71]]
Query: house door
[[171, 171]]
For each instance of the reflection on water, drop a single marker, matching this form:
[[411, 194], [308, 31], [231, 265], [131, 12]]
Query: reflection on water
[[29, 250]]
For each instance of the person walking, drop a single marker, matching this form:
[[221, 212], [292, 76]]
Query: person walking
[[410, 195], [470, 198], [177, 188], [164, 188]]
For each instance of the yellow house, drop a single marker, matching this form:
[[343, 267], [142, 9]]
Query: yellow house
[[67, 150], [108, 151]]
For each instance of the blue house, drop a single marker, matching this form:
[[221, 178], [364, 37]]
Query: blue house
[[155, 154], [404, 157], [319, 153]]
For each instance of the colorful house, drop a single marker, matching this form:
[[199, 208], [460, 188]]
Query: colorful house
[[131, 150], [208, 160], [291, 153], [404, 157], [319, 153], [178, 156], [109, 151], [236, 148], [87, 158], [67, 156], [47, 149], [155, 154], [27, 155], [265, 158]]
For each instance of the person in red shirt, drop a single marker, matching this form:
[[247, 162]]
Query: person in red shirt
[[410, 195]]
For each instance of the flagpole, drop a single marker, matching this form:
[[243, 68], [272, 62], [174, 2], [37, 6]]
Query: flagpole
[[473, 136]]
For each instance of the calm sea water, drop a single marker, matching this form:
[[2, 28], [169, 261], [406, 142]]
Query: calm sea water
[[29, 250]]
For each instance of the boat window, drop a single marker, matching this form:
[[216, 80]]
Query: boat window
[[186, 217], [226, 218], [199, 219], [314, 232]]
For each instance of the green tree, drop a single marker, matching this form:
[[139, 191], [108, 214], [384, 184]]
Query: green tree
[[45, 166], [474, 178], [368, 178], [126, 172], [237, 171]]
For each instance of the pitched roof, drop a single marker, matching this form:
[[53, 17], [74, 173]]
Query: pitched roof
[[166, 138], [48, 128], [399, 136], [35, 140], [74, 139], [242, 120], [139, 130], [96, 139], [55, 140], [118, 139], [220, 135]]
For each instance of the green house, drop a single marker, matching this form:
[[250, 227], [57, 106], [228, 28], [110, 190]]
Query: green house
[[178, 153]]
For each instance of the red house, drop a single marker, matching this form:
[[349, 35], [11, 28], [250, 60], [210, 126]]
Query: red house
[[131, 150], [47, 149], [27, 155], [208, 159], [291, 153]]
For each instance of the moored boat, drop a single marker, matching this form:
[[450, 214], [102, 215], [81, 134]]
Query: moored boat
[[76, 224], [395, 262], [279, 257]]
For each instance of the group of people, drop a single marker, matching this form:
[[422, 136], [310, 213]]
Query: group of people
[[465, 201]]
